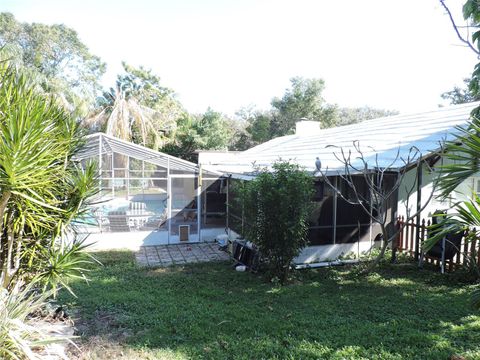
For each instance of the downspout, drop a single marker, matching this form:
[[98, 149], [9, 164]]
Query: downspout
[[100, 177], [335, 211], [393, 219], [100, 164], [128, 177], [227, 222], [243, 209], [199, 205], [169, 201], [113, 174], [419, 206]]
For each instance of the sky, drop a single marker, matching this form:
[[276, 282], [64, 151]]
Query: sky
[[226, 54]]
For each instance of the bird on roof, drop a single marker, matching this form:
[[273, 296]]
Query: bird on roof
[[318, 164]]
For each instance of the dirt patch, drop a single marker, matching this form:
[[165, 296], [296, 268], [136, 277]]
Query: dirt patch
[[101, 337]]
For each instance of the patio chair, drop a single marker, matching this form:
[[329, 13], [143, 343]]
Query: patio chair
[[118, 221], [137, 207]]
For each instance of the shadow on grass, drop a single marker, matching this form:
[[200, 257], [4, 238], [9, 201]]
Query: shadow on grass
[[210, 311]]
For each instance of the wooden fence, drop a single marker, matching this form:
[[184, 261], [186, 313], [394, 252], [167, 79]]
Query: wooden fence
[[407, 241]]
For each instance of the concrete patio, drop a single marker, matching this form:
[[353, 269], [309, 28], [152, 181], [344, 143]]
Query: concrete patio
[[179, 254]]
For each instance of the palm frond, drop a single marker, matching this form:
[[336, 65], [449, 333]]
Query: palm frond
[[462, 154], [124, 115]]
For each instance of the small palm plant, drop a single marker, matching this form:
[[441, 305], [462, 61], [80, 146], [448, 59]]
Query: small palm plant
[[42, 191]]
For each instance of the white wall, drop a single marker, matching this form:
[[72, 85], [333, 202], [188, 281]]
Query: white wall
[[462, 193], [407, 194], [320, 253]]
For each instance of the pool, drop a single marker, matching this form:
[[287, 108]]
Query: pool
[[99, 213]]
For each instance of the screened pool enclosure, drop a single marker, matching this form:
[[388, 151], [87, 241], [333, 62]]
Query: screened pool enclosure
[[152, 196]]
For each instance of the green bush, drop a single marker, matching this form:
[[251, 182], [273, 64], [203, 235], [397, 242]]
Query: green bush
[[277, 205]]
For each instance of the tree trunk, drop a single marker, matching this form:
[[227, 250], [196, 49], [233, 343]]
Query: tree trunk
[[285, 272], [10, 267], [3, 244], [380, 256]]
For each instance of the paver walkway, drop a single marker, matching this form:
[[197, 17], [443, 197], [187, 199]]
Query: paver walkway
[[177, 254]]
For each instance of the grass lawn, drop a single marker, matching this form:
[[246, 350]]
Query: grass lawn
[[210, 311]]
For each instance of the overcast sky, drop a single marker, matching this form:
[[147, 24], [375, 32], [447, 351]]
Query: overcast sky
[[227, 54]]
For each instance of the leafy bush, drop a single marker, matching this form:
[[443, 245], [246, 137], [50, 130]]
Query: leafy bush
[[277, 204]]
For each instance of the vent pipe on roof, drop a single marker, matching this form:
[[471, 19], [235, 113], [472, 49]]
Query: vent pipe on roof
[[307, 127]]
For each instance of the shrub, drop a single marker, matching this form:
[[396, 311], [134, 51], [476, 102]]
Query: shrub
[[277, 204]]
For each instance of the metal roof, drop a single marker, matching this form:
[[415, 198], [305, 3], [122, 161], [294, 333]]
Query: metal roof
[[379, 139], [111, 144]]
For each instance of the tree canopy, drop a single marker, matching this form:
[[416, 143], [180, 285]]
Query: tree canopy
[[461, 95], [63, 63], [353, 115], [302, 100], [207, 131]]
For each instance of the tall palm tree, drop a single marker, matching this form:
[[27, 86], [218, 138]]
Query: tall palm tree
[[128, 112]]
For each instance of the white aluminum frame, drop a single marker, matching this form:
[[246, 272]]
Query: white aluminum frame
[[100, 144]]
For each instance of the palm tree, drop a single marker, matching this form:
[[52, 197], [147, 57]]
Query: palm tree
[[138, 109]]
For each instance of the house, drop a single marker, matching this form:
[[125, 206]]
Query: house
[[337, 227]]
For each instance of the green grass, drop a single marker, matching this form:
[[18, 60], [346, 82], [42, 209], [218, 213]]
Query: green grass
[[210, 311]]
